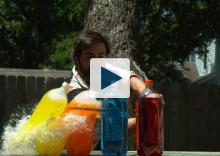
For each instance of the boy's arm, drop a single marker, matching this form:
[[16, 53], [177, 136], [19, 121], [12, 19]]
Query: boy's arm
[[137, 85]]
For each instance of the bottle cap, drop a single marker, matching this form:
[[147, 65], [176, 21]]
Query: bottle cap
[[149, 82]]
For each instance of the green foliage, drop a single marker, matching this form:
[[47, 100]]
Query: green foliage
[[61, 58], [31, 30], [40, 33], [171, 30]]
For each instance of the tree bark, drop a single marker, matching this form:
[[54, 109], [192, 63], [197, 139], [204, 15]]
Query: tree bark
[[117, 20]]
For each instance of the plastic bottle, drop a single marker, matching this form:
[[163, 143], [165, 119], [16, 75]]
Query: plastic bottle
[[51, 105], [114, 127], [36, 132], [149, 122], [50, 139]]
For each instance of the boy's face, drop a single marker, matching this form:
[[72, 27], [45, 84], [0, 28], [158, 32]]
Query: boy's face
[[96, 51]]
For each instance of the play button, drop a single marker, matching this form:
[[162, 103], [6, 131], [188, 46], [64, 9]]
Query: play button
[[109, 78]]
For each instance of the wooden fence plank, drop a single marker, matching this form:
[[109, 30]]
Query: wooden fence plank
[[2, 100], [163, 89], [194, 118], [40, 87], [59, 82], [212, 138], [31, 92], [203, 116], [191, 101], [182, 117], [51, 83], [217, 125], [10, 95], [21, 91], [172, 105]]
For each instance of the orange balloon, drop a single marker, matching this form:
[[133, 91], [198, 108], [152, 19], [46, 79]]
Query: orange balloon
[[80, 142], [80, 138]]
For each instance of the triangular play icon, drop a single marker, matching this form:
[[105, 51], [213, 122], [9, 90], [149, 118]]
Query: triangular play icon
[[108, 78]]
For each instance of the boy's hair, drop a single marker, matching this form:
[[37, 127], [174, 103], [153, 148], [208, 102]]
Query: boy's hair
[[85, 40]]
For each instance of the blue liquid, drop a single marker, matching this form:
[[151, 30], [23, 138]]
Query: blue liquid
[[114, 127]]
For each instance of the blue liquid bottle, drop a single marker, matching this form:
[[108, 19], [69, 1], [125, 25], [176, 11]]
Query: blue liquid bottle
[[114, 127]]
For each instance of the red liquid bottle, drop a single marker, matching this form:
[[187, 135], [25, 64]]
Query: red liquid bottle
[[149, 122]]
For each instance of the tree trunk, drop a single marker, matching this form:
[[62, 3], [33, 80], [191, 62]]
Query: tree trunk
[[116, 19]]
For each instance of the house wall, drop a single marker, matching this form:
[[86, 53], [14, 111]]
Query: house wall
[[200, 61], [217, 60]]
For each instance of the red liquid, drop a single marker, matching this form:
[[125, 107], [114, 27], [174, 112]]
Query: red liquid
[[149, 129]]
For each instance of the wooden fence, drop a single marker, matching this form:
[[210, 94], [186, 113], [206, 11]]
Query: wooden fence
[[191, 112], [23, 89], [192, 115]]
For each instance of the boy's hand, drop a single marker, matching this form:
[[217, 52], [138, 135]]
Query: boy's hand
[[137, 85]]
